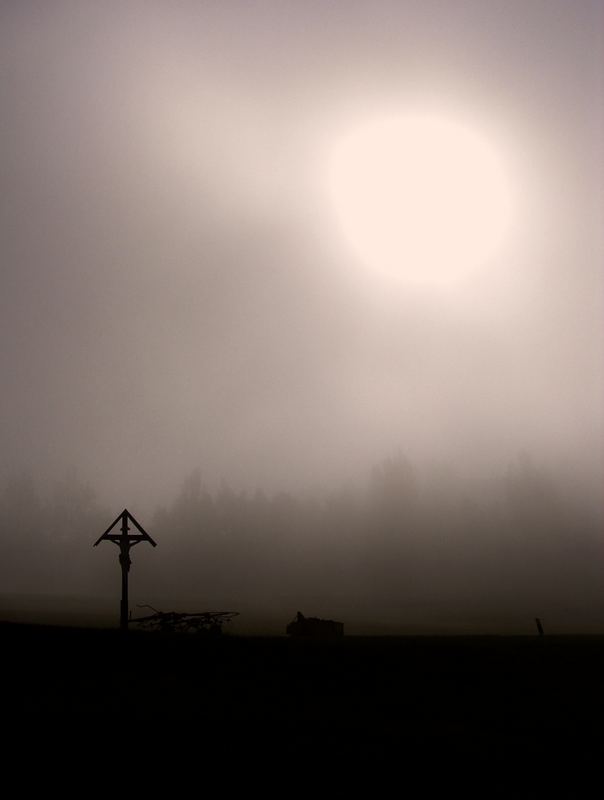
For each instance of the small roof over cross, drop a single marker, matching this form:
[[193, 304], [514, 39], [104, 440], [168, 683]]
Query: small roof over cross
[[124, 536]]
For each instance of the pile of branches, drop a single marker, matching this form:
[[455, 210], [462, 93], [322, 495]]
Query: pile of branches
[[205, 622]]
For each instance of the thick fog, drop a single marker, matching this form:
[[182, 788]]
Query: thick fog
[[187, 332]]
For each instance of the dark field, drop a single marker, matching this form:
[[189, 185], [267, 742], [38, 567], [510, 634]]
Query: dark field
[[431, 704]]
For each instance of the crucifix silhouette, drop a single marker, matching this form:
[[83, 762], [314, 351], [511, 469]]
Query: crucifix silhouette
[[125, 541]]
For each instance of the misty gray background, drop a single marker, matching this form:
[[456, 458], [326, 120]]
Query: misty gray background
[[174, 295]]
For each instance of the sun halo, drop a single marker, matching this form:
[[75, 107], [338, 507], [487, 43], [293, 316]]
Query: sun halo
[[419, 196]]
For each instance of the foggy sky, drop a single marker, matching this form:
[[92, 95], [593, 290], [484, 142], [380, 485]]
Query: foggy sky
[[173, 290]]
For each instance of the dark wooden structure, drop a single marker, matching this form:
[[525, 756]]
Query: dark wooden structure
[[125, 540], [314, 628]]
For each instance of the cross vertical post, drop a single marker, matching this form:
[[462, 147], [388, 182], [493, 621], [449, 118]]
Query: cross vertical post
[[125, 565], [125, 540]]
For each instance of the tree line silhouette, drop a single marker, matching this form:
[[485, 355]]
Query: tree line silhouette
[[401, 547]]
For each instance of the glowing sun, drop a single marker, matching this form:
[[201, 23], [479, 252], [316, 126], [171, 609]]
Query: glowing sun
[[419, 195]]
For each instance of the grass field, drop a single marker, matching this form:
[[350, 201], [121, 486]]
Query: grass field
[[439, 702]]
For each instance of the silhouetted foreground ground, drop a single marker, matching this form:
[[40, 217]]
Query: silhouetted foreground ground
[[437, 707]]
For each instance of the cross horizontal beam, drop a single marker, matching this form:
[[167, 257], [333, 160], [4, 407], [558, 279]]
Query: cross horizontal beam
[[119, 537]]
